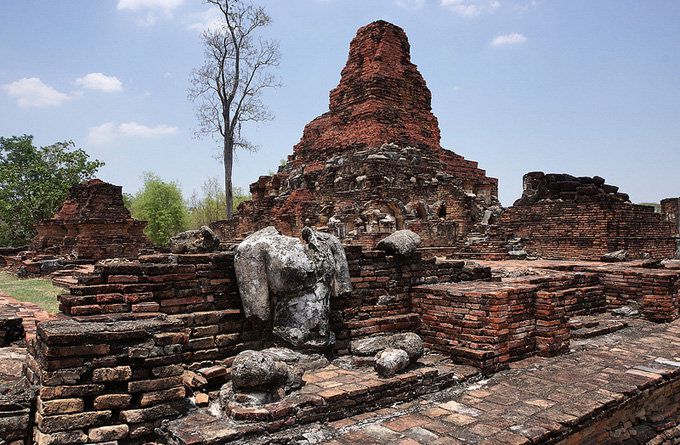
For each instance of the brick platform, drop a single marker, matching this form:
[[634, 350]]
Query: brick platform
[[655, 290], [623, 388], [107, 380], [488, 325]]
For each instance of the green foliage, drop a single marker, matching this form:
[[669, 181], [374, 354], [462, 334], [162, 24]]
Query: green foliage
[[212, 205], [34, 181], [127, 200], [161, 204]]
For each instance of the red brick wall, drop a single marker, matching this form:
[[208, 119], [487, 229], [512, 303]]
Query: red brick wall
[[572, 230], [488, 324], [201, 291]]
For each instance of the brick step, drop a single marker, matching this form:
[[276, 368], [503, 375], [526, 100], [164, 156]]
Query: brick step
[[593, 328], [330, 393]]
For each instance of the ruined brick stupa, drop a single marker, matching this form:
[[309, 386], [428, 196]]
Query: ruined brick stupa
[[373, 163], [92, 224]]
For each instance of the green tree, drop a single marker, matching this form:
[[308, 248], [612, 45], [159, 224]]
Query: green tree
[[161, 204], [212, 205], [34, 181]]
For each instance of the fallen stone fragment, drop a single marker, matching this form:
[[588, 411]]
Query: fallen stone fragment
[[518, 254], [195, 241], [631, 310], [201, 399], [401, 243], [409, 342], [671, 264], [369, 346], [391, 361], [617, 256], [255, 369]]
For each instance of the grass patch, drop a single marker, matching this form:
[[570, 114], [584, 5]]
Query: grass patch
[[34, 290]]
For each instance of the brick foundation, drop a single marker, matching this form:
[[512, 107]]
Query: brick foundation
[[107, 380]]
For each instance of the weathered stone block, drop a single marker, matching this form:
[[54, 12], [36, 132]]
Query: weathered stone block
[[155, 384], [60, 438], [65, 422], [117, 374], [60, 406], [108, 433], [166, 395], [112, 401], [59, 392]]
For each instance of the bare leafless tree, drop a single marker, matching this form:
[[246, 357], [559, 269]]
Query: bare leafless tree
[[227, 89]]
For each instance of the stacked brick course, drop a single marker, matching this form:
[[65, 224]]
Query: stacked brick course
[[200, 289], [373, 164], [107, 381], [92, 223], [488, 325], [156, 283]]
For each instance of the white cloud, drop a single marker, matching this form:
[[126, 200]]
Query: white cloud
[[514, 38], [209, 19], [137, 5], [152, 9], [135, 129], [102, 134], [100, 82], [109, 131], [33, 93], [525, 7], [410, 4], [470, 8]]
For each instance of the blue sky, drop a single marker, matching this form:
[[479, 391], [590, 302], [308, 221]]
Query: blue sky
[[578, 86]]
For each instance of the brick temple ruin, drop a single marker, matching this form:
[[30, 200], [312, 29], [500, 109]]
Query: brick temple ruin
[[373, 163], [92, 224], [441, 332]]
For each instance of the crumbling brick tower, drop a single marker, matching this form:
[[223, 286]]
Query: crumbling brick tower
[[670, 209], [373, 163], [92, 224]]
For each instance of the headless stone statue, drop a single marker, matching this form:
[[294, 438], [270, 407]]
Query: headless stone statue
[[288, 282]]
